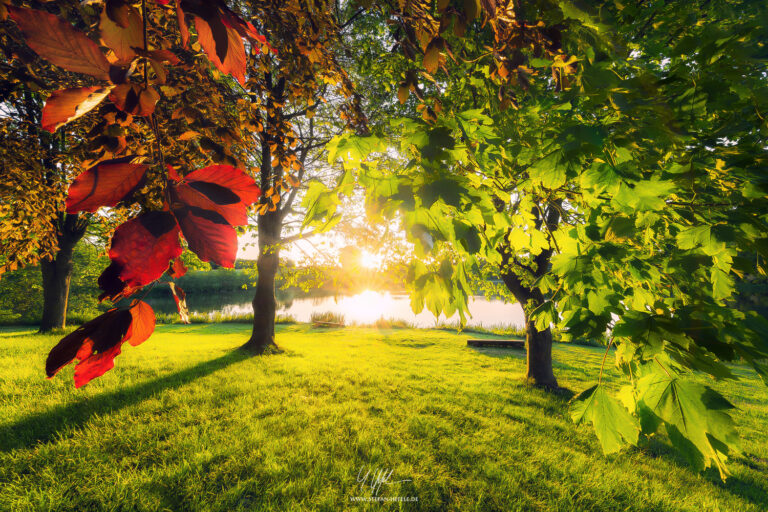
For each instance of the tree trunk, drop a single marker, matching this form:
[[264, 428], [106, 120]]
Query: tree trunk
[[264, 302], [538, 344], [57, 274], [539, 356], [270, 227]]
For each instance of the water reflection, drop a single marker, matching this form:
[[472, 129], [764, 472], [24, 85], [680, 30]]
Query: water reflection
[[369, 306]]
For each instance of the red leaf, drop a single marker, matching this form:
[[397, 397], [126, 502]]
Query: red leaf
[[177, 268], [172, 174], [124, 33], [244, 28], [95, 365], [142, 324], [118, 11], [55, 40], [143, 247], [97, 343], [181, 302], [67, 105], [105, 184], [208, 234], [166, 56], [222, 188], [135, 99], [114, 287], [183, 26], [99, 335], [223, 45], [227, 176]]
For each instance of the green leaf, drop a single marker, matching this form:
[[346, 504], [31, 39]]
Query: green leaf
[[446, 189], [600, 177], [722, 284], [644, 195], [613, 424], [703, 236], [598, 302], [761, 367], [519, 240], [549, 170], [544, 315], [695, 416]]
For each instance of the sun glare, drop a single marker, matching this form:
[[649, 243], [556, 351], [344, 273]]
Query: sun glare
[[371, 260]]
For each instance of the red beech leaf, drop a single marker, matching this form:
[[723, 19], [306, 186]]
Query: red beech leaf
[[134, 99], [95, 344], [227, 176], [143, 247], [164, 56], [95, 365], [114, 287], [172, 174], [122, 38], [223, 45], [244, 28], [142, 324], [183, 25], [99, 335], [67, 105], [222, 188], [106, 184], [208, 234], [118, 11], [55, 40], [177, 268], [181, 302]]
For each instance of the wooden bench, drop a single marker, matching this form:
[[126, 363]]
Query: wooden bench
[[518, 344], [326, 324]]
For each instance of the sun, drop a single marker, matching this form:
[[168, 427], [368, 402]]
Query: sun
[[370, 260]]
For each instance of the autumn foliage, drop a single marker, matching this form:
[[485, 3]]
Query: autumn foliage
[[179, 207]]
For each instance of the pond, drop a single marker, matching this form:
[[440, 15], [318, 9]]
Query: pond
[[363, 308]]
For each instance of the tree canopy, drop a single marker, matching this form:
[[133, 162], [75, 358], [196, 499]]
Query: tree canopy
[[610, 163]]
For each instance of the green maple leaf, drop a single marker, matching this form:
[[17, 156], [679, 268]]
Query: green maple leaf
[[645, 195], [613, 424], [722, 284], [550, 170], [695, 418]]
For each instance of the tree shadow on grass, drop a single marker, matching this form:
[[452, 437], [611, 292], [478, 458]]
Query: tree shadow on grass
[[502, 353], [44, 426]]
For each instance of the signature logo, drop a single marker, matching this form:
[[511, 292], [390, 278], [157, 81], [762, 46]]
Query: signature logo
[[374, 478]]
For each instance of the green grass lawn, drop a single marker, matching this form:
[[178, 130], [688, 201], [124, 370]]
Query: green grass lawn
[[186, 422]]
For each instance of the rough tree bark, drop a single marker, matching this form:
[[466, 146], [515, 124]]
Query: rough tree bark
[[538, 343], [264, 302], [270, 227], [57, 273]]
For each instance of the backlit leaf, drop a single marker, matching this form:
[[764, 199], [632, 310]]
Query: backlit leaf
[[105, 184], [55, 40], [123, 39], [613, 424], [695, 416], [96, 343], [144, 246], [67, 105]]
